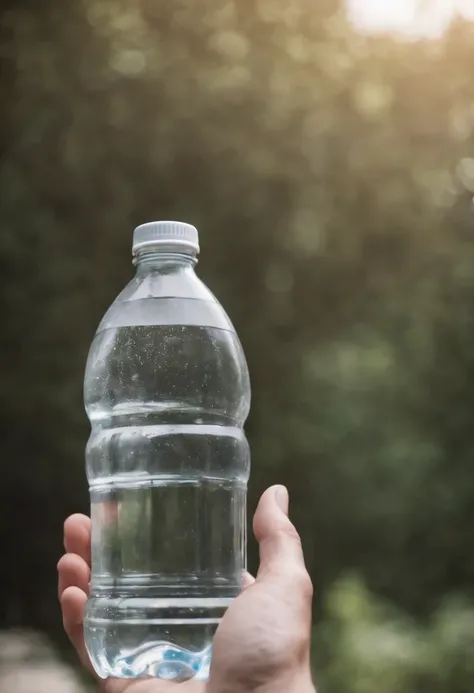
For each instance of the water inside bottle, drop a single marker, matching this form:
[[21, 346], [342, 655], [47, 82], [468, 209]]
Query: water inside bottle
[[168, 499]]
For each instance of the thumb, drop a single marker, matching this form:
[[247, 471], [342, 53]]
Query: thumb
[[279, 542]]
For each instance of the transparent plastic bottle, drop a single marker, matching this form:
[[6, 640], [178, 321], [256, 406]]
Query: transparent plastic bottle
[[167, 393]]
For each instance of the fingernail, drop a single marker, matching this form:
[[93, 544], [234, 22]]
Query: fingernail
[[282, 498]]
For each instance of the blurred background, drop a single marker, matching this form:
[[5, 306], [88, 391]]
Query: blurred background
[[325, 150]]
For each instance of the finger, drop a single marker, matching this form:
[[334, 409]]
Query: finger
[[73, 602], [279, 542], [77, 536], [73, 571]]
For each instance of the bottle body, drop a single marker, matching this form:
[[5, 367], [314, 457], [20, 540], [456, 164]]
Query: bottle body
[[167, 393]]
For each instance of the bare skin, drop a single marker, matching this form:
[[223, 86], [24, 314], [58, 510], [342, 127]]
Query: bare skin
[[263, 641]]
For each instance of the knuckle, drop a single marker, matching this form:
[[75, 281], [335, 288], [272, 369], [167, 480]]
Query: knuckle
[[62, 562], [303, 584], [288, 531]]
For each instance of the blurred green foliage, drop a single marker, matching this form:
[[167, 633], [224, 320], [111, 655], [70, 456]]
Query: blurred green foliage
[[331, 177], [366, 645]]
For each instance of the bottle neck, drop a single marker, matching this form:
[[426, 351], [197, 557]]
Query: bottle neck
[[151, 260]]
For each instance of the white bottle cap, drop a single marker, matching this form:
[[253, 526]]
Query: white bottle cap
[[171, 236]]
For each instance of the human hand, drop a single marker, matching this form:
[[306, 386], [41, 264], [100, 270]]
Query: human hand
[[262, 643]]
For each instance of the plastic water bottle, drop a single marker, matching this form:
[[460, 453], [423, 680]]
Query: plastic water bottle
[[167, 393]]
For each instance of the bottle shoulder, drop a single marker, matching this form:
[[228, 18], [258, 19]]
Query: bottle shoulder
[[178, 298], [167, 339], [180, 284]]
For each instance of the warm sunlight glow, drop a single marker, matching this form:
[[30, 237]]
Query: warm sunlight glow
[[411, 17]]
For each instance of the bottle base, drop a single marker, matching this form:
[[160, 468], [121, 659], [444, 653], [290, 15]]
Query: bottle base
[[159, 660], [176, 646]]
